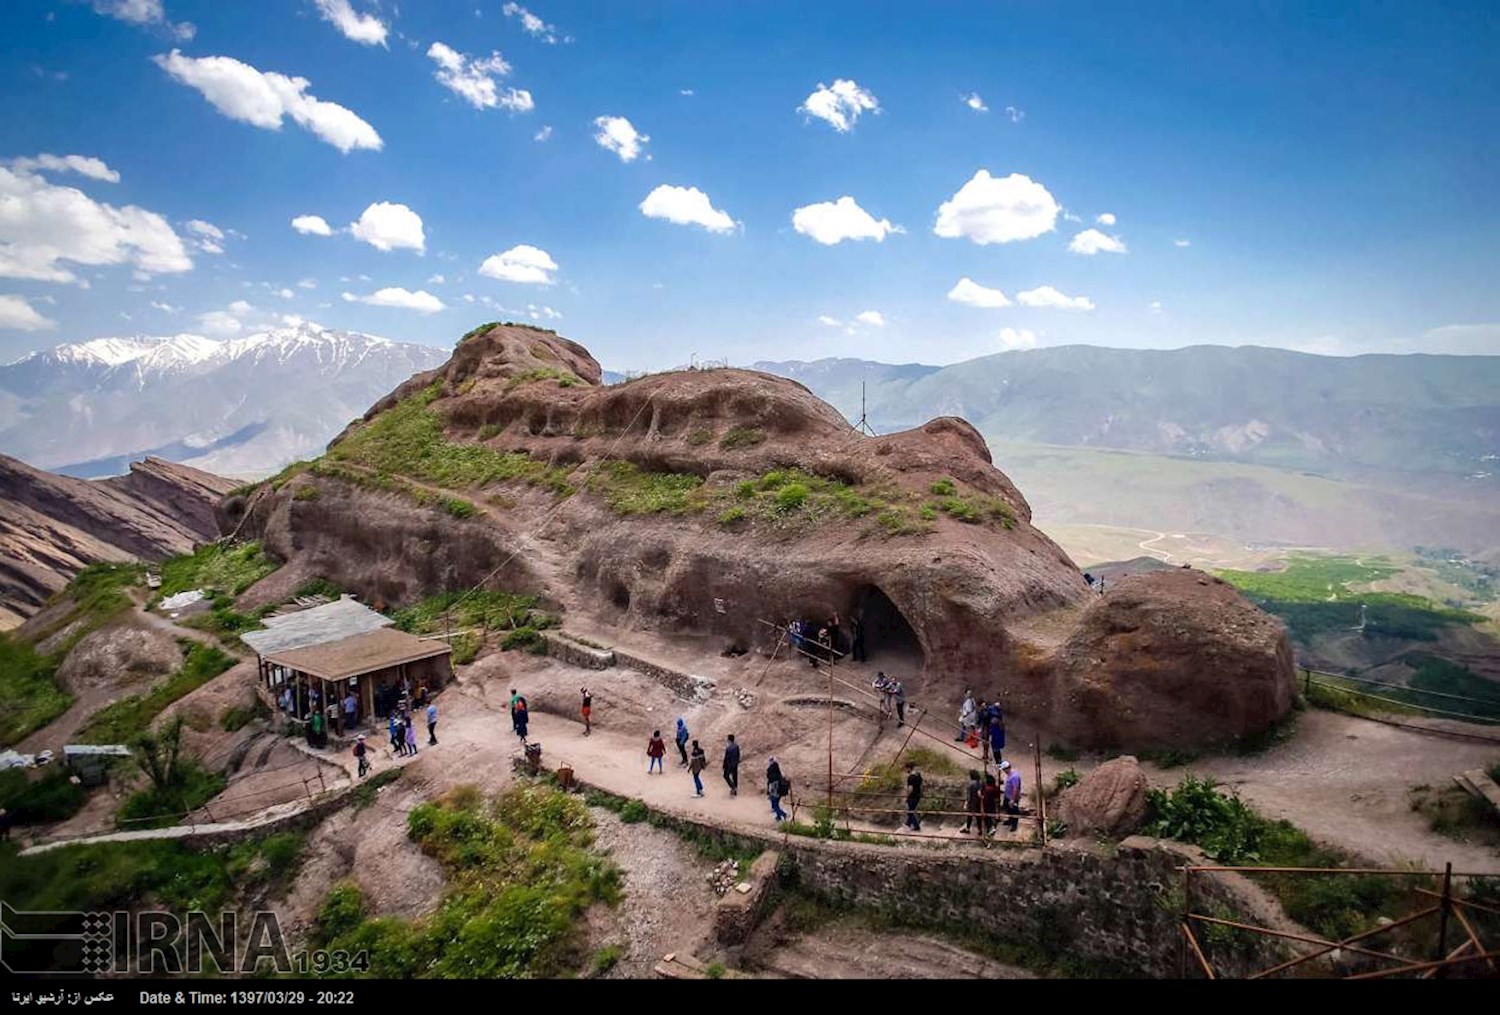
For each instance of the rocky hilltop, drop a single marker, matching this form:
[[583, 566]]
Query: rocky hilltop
[[52, 526], [711, 503]]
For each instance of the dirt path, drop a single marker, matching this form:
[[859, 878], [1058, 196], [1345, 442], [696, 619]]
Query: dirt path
[[1346, 781]]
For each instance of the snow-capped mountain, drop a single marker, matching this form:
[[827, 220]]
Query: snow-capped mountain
[[241, 407]]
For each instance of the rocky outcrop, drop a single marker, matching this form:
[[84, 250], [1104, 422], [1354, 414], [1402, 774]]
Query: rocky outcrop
[[707, 502], [1168, 659], [1111, 800], [52, 526]]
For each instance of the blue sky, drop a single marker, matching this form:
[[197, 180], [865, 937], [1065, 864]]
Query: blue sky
[[1315, 176]]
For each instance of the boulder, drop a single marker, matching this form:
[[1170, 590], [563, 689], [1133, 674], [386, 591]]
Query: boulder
[[1111, 800]]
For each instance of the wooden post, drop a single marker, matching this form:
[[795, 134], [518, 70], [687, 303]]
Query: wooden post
[[1447, 908], [1041, 796]]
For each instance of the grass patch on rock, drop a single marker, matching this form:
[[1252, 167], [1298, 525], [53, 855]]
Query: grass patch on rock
[[521, 873], [226, 569], [29, 689], [127, 718], [51, 797]]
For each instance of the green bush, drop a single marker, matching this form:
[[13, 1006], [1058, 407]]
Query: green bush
[[944, 488], [342, 911], [459, 508], [158, 807], [524, 637], [741, 437], [465, 648], [1066, 779], [791, 497], [99, 590], [698, 438], [631, 490], [633, 812], [227, 569], [53, 797], [1196, 812], [730, 516], [307, 491], [491, 610], [606, 958], [29, 689]]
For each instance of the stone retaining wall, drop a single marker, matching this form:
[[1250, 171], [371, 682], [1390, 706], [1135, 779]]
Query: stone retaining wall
[[560, 646], [684, 685]]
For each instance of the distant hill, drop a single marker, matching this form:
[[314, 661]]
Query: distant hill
[[1256, 444], [242, 407], [52, 526]]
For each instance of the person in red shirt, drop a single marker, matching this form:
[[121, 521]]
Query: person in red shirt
[[656, 749], [989, 804]]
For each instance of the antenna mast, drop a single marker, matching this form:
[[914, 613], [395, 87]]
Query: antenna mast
[[864, 420]]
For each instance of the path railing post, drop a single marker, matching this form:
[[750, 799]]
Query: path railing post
[[1446, 908]]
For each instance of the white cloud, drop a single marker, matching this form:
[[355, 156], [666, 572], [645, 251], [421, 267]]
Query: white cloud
[[1106, 219], [873, 318], [468, 297], [208, 237], [285, 294], [312, 225], [308, 283], [17, 314], [436, 280], [543, 134], [1092, 241], [83, 165], [387, 226], [840, 105], [829, 322], [991, 209], [226, 322], [394, 296], [974, 102], [831, 222], [1182, 243], [617, 134], [1070, 217], [1016, 115], [966, 290], [686, 206], [473, 79], [293, 320], [362, 28], [1046, 296], [43, 224], [1017, 338], [524, 263], [542, 313], [165, 308], [686, 91], [533, 25], [1461, 340], [145, 12], [241, 92]]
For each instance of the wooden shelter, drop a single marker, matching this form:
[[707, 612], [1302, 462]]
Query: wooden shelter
[[314, 659]]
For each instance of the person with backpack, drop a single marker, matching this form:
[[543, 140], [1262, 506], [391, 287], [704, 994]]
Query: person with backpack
[[682, 741], [913, 796], [732, 766], [520, 718], [362, 754], [656, 749], [696, 764], [777, 786], [432, 724]]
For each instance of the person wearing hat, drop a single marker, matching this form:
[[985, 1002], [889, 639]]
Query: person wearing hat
[[362, 753], [1012, 802]]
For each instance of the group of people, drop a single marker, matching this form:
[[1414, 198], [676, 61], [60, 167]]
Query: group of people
[[892, 697], [827, 641], [403, 730], [694, 758], [986, 798], [981, 724]]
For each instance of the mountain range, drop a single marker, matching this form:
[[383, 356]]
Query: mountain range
[[1253, 444], [241, 407]]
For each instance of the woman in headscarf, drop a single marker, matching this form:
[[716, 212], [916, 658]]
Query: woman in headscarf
[[776, 787], [682, 741]]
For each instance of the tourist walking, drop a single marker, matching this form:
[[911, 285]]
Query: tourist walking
[[696, 764], [898, 695], [913, 796], [411, 736], [656, 749], [997, 732], [521, 718], [777, 786], [682, 741], [882, 686], [587, 710], [400, 736], [966, 715], [1012, 802], [732, 766], [432, 724], [396, 738], [361, 753], [794, 632], [972, 793]]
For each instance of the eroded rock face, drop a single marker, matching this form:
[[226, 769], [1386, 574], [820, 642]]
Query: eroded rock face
[[890, 537], [1111, 800], [1171, 658], [118, 655]]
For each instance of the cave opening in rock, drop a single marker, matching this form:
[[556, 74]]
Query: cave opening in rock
[[890, 642]]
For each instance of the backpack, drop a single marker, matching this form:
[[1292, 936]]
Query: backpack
[[783, 786]]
